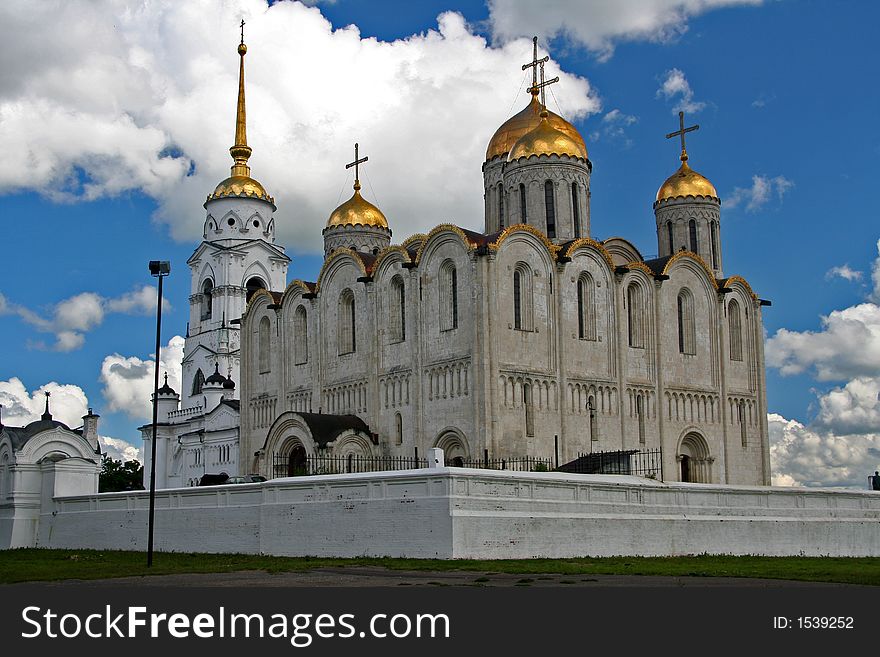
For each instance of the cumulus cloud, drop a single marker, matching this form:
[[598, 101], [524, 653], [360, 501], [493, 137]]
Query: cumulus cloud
[[808, 456], [70, 319], [763, 190], [614, 125], [120, 450], [104, 98], [598, 24], [128, 380], [675, 87], [845, 272]]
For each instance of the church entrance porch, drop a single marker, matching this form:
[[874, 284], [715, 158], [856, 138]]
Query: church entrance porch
[[695, 464]]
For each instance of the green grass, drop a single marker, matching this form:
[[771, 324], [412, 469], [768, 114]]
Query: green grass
[[24, 565]]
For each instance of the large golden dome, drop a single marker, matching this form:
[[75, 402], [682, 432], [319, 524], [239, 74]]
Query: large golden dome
[[525, 121], [237, 186], [546, 139], [357, 211], [686, 182]]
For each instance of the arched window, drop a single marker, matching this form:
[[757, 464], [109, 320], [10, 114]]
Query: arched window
[[523, 300], [300, 336], [263, 348], [346, 323], [397, 308], [640, 416], [692, 232], [207, 299], [198, 382], [635, 315], [670, 237], [523, 217], [398, 429], [448, 296], [254, 283], [713, 230], [500, 189], [735, 329], [687, 341], [586, 298], [575, 210], [741, 414], [527, 403], [550, 208]]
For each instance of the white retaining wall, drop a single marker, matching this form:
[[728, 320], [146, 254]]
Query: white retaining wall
[[464, 513]]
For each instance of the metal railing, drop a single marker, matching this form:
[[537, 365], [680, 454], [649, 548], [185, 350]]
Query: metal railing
[[639, 462]]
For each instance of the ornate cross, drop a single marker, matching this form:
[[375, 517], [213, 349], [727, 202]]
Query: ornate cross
[[356, 163], [540, 86], [242, 30], [681, 132], [534, 65]]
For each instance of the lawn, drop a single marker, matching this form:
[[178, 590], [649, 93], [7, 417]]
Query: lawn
[[24, 565]]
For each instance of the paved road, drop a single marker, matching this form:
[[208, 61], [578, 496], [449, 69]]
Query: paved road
[[377, 576]]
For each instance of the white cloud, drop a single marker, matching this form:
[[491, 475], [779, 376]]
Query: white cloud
[[599, 24], [845, 272], [71, 318], [763, 190], [614, 125], [128, 380], [675, 87], [103, 97], [120, 450]]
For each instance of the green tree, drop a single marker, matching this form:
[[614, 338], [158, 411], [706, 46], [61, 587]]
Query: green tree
[[117, 476]]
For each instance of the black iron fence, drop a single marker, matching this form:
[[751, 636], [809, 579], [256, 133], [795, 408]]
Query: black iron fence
[[645, 463], [640, 462]]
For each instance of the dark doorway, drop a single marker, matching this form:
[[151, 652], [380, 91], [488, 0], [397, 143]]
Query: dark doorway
[[685, 467], [252, 286], [296, 462]]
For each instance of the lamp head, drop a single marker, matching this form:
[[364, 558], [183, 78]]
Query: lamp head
[[160, 267]]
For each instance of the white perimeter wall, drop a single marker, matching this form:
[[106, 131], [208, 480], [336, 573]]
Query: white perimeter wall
[[463, 513]]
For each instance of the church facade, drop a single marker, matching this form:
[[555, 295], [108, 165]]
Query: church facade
[[527, 337]]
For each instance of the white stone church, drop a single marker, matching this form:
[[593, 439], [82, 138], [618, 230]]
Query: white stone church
[[528, 338]]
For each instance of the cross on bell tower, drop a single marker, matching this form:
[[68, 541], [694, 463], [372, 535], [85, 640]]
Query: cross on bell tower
[[681, 133]]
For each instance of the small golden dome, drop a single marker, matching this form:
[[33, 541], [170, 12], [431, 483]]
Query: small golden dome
[[236, 186], [546, 139], [685, 182], [525, 121], [357, 211]]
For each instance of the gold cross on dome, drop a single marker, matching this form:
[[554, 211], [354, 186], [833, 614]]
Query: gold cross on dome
[[356, 163], [543, 84], [681, 132], [534, 66]]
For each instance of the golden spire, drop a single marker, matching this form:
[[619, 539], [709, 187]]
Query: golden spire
[[240, 151]]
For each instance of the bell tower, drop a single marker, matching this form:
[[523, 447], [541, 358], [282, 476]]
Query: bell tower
[[237, 256]]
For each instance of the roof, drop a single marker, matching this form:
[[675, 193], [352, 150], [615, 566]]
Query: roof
[[18, 436], [325, 428]]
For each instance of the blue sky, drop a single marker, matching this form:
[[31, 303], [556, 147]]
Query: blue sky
[[783, 92]]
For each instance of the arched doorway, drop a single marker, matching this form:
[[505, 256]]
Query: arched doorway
[[296, 461], [695, 464], [255, 283], [454, 446]]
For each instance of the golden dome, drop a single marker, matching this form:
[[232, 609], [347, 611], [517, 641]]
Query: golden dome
[[357, 211], [236, 186], [525, 121], [685, 182], [546, 139]]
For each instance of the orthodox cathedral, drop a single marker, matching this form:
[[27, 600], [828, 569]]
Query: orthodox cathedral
[[527, 338]]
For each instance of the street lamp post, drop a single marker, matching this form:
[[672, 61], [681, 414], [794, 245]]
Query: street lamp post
[[160, 269]]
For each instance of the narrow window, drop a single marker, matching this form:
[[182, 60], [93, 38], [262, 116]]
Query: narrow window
[[523, 218], [550, 207], [517, 300], [686, 329], [397, 303], [575, 210], [207, 299], [300, 336], [401, 299], [448, 282], [741, 412], [263, 348], [398, 429], [453, 288], [635, 316], [713, 230], [500, 205], [586, 297], [670, 237], [198, 382], [591, 410], [527, 403], [735, 330], [346, 323], [692, 230]]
